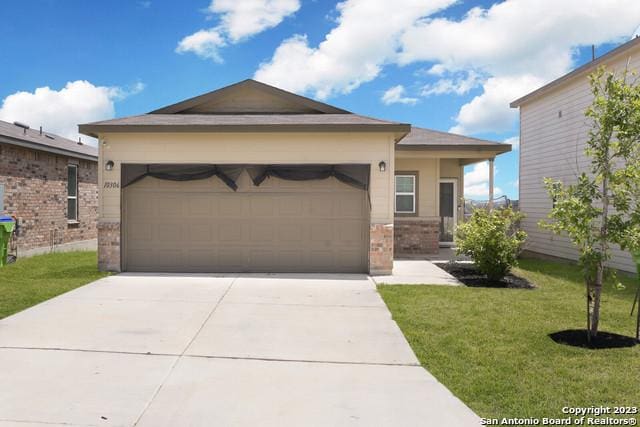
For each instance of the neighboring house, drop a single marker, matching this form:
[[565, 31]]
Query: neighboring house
[[49, 183], [236, 180], [553, 131]]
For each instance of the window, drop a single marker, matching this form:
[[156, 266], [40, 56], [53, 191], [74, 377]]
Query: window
[[406, 194], [72, 192]]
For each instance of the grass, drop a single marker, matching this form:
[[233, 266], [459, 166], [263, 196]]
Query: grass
[[491, 348], [30, 281]]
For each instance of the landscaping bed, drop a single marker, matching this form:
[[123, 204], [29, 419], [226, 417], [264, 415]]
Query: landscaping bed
[[469, 275]]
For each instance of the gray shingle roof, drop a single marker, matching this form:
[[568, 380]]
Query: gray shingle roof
[[32, 138], [242, 122], [421, 138]]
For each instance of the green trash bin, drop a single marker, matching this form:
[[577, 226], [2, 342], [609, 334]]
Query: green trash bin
[[6, 228]]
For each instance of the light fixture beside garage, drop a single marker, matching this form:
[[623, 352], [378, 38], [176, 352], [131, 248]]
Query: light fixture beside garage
[[109, 165], [383, 166]]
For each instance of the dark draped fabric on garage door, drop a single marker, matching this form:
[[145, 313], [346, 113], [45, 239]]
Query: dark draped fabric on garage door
[[351, 174], [354, 175], [228, 174]]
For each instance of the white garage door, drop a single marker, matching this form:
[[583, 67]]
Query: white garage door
[[280, 226]]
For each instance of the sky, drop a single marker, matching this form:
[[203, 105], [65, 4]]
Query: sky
[[450, 65]]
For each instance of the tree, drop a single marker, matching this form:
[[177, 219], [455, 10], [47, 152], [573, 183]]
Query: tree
[[601, 208]]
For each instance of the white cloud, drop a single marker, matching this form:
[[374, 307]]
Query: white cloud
[[239, 20], [365, 39], [490, 112], [514, 141], [60, 111], [395, 95], [204, 43], [493, 41], [459, 85], [476, 182]]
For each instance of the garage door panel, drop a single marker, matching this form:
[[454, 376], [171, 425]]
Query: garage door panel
[[349, 232], [290, 232], [229, 205], [168, 232], [261, 206], [321, 206], [201, 232], [201, 259], [322, 231], [231, 259], [200, 206], [261, 232], [142, 232], [229, 231], [312, 226], [290, 206], [348, 207], [169, 205]]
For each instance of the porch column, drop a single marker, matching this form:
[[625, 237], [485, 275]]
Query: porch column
[[491, 183]]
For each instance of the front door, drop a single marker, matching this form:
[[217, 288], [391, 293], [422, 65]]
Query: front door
[[448, 210]]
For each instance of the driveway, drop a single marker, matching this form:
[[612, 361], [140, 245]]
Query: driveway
[[190, 350]]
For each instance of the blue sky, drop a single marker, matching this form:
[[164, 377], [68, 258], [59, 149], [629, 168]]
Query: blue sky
[[443, 64]]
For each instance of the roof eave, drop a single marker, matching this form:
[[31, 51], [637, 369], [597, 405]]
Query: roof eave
[[94, 130], [497, 148], [46, 148], [580, 71]]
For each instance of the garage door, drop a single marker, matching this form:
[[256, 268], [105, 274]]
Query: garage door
[[280, 226]]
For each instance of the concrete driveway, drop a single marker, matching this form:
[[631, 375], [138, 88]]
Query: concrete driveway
[[177, 350]]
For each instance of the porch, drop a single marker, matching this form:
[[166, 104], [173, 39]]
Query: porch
[[429, 188]]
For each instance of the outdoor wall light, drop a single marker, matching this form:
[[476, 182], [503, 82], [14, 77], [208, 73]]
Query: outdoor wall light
[[109, 165], [383, 166]]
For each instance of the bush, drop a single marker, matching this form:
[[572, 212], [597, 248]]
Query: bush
[[492, 240]]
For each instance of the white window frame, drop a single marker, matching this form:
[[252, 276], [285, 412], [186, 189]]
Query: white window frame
[[75, 168], [404, 193]]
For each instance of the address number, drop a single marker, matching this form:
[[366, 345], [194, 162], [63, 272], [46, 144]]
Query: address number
[[111, 184]]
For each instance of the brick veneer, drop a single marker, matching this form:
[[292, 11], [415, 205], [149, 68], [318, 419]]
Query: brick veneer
[[109, 246], [35, 191], [381, 249], [416, 236]]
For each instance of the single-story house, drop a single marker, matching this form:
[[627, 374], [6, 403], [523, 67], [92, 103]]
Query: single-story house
[[50, 184], [553, 132], [253, 178]]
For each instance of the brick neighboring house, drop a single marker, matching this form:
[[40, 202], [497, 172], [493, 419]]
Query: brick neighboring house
[[50, 184]]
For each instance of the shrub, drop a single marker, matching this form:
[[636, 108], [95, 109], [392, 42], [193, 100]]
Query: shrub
[[492, 240]]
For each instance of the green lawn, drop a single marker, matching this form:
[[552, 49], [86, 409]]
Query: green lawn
[[33, 280], [491, 348]]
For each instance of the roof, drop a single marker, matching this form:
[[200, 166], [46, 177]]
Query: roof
[[45, 141], [219, 94], [428, 139], [243, 123], [578, 72], [241, 108]]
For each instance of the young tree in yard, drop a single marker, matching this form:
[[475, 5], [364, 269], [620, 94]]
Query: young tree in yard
[[601, 208]]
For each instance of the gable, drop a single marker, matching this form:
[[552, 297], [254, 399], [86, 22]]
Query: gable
[[249, 100], [250, 97]]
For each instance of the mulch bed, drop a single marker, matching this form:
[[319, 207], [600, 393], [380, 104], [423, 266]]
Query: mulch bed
[[470, 276], [578, 338]]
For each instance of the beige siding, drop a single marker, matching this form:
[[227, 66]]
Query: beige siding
[[429, 171], [553, 130], [249, 148]]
